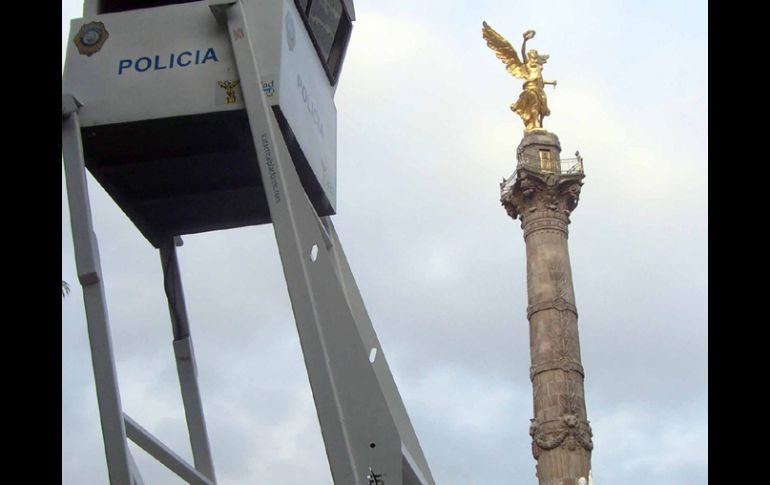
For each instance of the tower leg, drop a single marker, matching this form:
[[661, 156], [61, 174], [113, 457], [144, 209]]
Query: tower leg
[[361, 425], [90, 277], [135, 475], [185, 361]]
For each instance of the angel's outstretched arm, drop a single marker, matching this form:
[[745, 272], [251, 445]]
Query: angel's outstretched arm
[[527, 35], [524, 50]]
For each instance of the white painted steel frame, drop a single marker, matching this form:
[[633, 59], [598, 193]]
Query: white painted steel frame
[[155, 448], [185, 360], [89, 275], [363, 421], [367, 433], [121, 468]]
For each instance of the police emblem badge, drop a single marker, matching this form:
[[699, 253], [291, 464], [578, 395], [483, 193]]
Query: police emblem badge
[[90, 38]]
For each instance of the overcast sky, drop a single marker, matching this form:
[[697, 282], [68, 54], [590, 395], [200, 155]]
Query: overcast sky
[[425, 136]]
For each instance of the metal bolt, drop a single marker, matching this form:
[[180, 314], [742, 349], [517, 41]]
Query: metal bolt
[[374, 478]]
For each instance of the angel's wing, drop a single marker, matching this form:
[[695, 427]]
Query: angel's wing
[[504, 51]]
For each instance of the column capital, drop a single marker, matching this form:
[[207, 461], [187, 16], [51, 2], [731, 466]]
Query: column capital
[[543, 184], [532, 194]]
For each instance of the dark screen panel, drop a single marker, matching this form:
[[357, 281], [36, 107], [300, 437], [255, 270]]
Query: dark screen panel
[[340, 46], [329, 26], [324, 17], [112, 6]]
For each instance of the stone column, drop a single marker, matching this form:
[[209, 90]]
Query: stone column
[[543, 197]]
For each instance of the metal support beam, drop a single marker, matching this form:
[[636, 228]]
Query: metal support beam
[[414, 457], [361, 424], [219, 9], [163, 454], [136, 477], [185, 361], [89, 275], [121, 468], [91, 8]]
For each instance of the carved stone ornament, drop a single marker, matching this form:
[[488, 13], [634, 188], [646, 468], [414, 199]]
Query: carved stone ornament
[[527, 188], [573, 195], [563, 335], [564, 365], [561, 304], [532, 192], [570, 431], [511, 210]]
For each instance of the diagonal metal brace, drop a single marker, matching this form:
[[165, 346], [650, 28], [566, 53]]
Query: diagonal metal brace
[[163, 454], [69, 105]]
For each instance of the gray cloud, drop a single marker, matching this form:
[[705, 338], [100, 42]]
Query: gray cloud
[[425, 136]]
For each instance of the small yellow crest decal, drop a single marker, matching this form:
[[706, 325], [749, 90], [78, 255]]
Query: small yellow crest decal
[[229, 87]]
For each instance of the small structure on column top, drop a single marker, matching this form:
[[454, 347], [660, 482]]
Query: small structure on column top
[[542, 193]]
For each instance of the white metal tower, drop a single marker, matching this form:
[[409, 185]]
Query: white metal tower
[[194, 122]]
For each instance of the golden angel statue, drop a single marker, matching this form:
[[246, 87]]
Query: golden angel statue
[[532, 104]]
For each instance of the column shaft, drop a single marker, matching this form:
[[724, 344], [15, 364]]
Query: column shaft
[[543, 196]]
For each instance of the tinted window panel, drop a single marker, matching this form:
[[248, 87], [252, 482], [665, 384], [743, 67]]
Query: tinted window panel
[[324, 16], [338, 48], [111, 6]]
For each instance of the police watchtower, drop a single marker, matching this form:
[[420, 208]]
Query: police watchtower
[[204, 115]]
